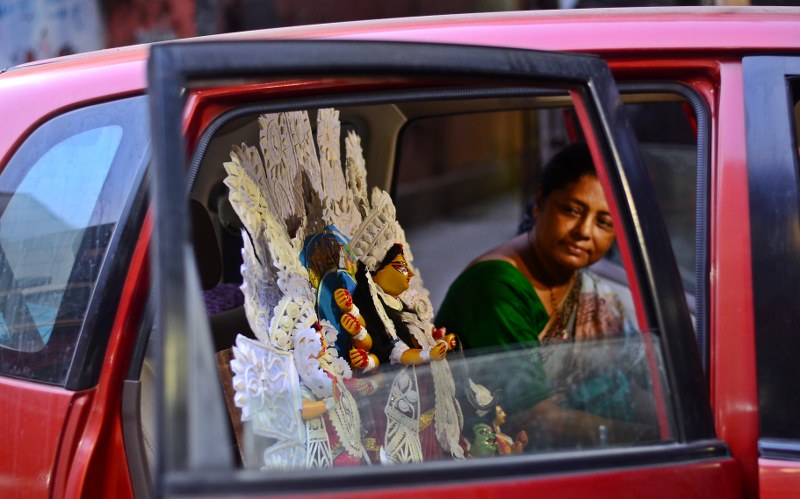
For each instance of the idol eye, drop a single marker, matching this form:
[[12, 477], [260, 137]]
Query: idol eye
[[400, 268]]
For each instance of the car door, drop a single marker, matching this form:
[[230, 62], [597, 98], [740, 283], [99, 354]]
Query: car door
[[771, 107], [684, 460]]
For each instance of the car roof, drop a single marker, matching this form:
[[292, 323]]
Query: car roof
[[592, 30]]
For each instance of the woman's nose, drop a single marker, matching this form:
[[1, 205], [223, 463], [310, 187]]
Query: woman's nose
[[581, 227]]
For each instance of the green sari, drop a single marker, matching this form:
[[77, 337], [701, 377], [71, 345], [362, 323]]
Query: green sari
[[492, 307]]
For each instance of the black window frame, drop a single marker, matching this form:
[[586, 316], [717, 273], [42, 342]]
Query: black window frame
[[188, 437], [772, 169]]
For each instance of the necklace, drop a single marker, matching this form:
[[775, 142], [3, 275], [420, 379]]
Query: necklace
[[558, 330], [558, 327]]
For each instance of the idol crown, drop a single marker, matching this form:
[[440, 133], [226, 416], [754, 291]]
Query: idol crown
[[377, 233]]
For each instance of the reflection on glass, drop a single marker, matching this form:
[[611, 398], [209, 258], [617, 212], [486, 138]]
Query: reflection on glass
[[42, 229], [571, 395], [587, 395]]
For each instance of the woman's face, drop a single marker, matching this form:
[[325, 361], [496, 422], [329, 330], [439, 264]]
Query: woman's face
[[395, 277], [573, 226]]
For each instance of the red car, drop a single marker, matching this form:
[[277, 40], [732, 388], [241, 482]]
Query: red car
[[114, 197]]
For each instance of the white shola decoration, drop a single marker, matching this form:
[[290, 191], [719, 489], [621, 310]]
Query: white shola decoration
[[289, 193], [266, 191], [268, 392]]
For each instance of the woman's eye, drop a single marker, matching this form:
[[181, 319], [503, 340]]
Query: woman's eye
[[605, 224], [571, 210]]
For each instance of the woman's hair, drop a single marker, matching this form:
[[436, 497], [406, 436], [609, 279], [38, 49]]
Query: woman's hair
[[565, 168]]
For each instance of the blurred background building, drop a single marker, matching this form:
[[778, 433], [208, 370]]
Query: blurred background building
[[39, 29]]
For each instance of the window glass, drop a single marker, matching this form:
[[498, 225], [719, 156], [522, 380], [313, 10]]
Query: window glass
[[473, 187], [667, 133], [62, 195], [560, 398], [329, 354], [462, 185], [41, 229]]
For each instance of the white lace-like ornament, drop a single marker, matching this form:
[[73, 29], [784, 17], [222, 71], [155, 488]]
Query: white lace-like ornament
[[335, 364], [356, 175], [449, 419], [375, 292], [279, 299], [244, 181], [378, 231], [346, 422], [295, 311], [307, 348], [281, 137], [318, 446], [329, 132], [312, 370], [268, 393], [268, 195], [401, 442]]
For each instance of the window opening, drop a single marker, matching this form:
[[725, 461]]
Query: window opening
[[237, 357]]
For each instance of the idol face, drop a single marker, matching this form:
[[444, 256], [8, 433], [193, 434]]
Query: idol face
[[395, 277], [573, 226]]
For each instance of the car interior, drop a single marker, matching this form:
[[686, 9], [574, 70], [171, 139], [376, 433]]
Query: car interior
[[461, 171]]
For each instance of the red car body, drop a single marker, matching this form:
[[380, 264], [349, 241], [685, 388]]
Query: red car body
[[59, 442]]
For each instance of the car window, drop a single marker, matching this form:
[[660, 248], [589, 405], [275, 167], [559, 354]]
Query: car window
[[461, 184], [62, 196]]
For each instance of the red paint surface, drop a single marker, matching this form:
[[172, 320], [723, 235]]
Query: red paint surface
[[734, 394], [778, 479], [33, 94], [33, 417], [701, 481], [101, 465]]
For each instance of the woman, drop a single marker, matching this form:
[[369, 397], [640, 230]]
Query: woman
[[533, 290]]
